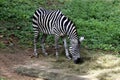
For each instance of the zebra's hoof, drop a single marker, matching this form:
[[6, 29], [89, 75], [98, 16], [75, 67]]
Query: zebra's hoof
[[36, 56], [45, 54], [69, 58], [57, 57]]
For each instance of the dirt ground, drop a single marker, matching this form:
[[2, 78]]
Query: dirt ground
[[8, 59], [100, 66]]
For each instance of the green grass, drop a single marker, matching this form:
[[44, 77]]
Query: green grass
[[2, 78], [97, 20]]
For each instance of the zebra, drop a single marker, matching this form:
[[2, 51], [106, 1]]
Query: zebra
[[54, 22]]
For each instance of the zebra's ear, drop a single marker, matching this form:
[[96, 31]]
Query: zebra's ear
[[81, 39]]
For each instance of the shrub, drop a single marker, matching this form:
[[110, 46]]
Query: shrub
[[97, 20]]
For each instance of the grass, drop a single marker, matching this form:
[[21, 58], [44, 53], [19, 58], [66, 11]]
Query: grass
[[2, 78], [97, 20]]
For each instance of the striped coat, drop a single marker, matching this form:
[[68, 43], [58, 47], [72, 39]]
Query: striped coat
[[56, 23]]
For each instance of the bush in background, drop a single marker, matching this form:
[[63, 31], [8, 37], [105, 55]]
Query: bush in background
[[97, 20]]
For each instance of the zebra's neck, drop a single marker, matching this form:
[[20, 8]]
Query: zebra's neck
[[74, 41], [73, 37], [72, 34], [68, 27]]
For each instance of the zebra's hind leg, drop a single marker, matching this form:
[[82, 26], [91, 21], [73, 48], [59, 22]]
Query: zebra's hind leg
[[66, 49], [56, 45], [43, 38], [36, 36]]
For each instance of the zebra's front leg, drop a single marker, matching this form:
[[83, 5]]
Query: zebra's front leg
[[66, 49], [56, 45], [43, 38]]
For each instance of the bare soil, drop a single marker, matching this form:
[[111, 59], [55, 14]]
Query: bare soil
[[16, 64], [9, 58]]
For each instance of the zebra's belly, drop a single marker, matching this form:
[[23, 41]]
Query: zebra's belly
[[45, 31], [52, 32]]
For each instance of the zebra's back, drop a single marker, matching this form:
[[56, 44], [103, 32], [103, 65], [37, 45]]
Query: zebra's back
[[45, 20]]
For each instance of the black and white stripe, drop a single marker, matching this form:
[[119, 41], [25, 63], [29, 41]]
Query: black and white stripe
[[56, 23]]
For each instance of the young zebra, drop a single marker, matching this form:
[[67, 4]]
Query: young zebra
[[54, 22]]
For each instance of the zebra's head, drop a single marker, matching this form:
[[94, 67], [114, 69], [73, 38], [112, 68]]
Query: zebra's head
[[75, 50]]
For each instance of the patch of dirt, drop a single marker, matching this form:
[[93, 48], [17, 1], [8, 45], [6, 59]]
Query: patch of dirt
[[11, 57], [16, 64]]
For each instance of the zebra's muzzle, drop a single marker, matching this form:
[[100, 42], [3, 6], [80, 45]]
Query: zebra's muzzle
[[78, 60]]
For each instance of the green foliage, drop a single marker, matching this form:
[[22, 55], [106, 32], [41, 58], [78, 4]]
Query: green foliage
[[16, 17], [2, 45], [97, 20], [22, 9]]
